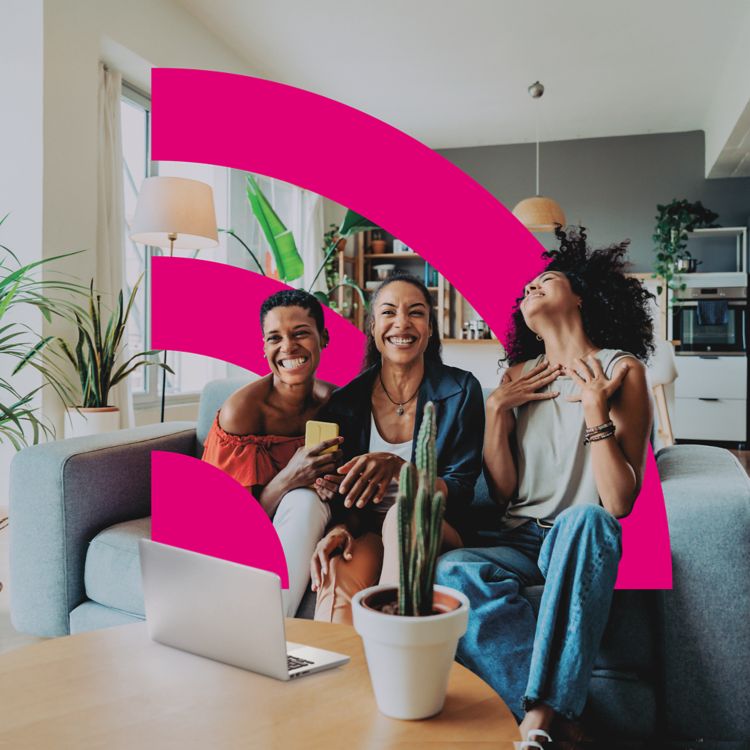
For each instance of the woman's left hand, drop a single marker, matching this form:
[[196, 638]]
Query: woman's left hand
[[367, 477], [596, 387]]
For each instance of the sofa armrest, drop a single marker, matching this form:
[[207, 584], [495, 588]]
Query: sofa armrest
[[704, 618], [61, 495]]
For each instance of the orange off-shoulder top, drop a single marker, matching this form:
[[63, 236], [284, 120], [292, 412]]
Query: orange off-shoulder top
[[250, 459]]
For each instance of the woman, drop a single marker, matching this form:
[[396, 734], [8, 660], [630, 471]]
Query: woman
[[564, 452], [379, 414], [258, 435]]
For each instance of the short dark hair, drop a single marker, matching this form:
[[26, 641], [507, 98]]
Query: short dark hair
[[294, 298], [433, 351]]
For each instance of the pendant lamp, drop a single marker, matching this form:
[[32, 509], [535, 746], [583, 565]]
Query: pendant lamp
[[540, 213]]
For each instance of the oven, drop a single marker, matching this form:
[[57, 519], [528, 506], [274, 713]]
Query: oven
[[710, 319]]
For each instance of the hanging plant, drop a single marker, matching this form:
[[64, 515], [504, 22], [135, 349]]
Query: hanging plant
[[673, 222]]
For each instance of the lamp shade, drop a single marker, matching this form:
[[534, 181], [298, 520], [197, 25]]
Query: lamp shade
[[178, 207], [539, 214]]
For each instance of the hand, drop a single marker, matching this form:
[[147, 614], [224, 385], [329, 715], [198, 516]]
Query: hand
[[596, 387], [307, 464], [512, 393], [337, 539], [327, 486], [367, 477]]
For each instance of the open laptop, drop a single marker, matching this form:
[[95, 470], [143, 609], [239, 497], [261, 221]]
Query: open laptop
[[223, 610]]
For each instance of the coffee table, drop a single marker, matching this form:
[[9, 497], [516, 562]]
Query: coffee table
[[115, 688]]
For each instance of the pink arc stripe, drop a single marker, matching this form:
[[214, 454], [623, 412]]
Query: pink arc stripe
[[417, 195]]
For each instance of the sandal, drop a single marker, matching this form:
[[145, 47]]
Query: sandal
[[530, 743]]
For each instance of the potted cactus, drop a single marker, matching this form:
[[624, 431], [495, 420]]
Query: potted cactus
[[410, 632]]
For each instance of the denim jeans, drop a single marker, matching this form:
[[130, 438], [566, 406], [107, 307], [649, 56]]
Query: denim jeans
[[548, 659]]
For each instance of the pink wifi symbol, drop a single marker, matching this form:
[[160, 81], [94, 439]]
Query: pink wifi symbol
[[208, 308]]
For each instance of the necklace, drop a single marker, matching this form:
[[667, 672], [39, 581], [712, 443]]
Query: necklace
[[399, 405]]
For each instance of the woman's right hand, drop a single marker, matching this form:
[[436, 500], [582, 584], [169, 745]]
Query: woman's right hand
[[337, 539], [513, 393], [307, 464]]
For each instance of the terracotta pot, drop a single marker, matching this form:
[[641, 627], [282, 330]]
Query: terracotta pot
[[409, 658], [378, 246], [91, 421]]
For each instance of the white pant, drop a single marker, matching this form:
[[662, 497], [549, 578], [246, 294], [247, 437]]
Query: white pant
[[300, 521]]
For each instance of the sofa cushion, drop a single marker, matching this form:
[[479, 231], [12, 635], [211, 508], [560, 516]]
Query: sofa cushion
[[113, 570]]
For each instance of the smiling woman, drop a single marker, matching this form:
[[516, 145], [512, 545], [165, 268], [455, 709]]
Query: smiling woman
[[258, 435], [379, 415]]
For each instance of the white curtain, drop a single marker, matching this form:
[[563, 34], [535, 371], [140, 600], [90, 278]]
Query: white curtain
[[302, 213], [110, 218]]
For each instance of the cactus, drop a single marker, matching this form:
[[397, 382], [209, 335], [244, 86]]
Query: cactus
[[420, 521]]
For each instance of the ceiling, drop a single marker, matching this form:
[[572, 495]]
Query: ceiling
[[455, 73]]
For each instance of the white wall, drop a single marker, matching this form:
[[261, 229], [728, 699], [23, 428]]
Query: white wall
[[21, 71], [133, 36]]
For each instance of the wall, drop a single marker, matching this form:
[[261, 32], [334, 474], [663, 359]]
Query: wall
[[133, 36], [21, 176], [612, 185]]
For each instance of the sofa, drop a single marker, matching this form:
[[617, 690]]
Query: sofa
[[673, 667]]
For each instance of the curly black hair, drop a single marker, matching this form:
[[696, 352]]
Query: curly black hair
[[434, 347], [294, 298], [614, 307]]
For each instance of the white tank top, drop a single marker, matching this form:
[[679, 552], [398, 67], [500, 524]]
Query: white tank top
[[380, 445], [554, 466]]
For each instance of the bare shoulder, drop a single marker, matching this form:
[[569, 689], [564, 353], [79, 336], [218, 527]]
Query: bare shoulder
[[323, 391], [241, 413], [635, 371]]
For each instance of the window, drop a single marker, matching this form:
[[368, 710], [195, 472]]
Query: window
[[191, 371]]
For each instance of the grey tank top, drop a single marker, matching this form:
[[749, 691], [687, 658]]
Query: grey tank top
[[554, 466]]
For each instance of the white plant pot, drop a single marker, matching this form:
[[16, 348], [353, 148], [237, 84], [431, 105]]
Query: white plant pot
[[88, 421], [410, 658]]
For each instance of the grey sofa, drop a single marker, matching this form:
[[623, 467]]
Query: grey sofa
[[673, 668]]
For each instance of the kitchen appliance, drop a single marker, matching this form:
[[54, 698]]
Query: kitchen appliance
[[709, 329], [710, 314]]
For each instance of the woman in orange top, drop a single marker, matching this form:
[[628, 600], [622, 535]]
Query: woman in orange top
[[258, 435]]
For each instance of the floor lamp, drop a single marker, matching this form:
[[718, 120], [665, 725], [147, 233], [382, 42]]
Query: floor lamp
[[174, 213]]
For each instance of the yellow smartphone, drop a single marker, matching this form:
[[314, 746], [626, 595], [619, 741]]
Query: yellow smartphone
[[317, 432]]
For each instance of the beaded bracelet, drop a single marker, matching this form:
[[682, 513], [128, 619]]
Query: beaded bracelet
[[598, 436], [608, 425]]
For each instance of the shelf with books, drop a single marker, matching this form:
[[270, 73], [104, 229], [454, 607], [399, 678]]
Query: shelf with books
[[368, 275]]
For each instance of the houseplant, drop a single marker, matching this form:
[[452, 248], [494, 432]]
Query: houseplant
[[673, 222], [21, 347], [410, 632], [95, 361]]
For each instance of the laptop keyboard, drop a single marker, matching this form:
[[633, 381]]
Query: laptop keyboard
[[292, 662]]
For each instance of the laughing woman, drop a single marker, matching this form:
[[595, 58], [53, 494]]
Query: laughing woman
[[258, 435], [379, 414], [564, 451]]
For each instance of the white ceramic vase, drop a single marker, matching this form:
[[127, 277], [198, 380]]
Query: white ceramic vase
[[90, 421], [410, 658]]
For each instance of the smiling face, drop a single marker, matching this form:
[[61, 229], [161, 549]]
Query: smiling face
[[549, 293], [292, 344], [401, 323]]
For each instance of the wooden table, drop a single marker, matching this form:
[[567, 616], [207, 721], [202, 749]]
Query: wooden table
[[115, 688]]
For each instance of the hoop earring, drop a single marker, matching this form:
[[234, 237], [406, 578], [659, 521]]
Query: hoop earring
[[539, 338]]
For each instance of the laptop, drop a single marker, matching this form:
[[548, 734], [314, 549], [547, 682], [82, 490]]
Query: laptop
[[225, 611]]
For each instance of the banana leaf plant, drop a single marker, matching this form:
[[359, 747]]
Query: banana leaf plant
[[95, 356], [22, 347], [280, 239]]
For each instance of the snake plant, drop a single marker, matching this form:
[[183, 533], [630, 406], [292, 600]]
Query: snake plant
[[98, 347]]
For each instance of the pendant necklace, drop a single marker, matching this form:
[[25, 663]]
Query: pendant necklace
[[398, 404]]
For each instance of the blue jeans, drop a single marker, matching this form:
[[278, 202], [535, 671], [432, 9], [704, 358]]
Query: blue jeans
[[548, 659]]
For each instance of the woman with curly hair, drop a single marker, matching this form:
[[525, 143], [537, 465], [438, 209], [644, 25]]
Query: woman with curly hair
[[564, 453]]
